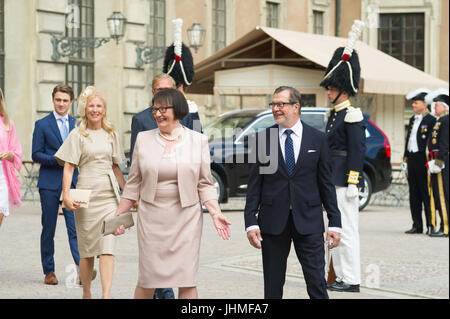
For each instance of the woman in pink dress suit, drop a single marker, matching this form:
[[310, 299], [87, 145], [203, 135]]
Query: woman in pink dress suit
[[10, 160], [169, 176]]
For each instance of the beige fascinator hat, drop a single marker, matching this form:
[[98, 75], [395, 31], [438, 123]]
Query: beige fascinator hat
[[82, 100]]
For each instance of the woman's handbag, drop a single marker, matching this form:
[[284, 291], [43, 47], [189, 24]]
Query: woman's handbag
[[79, 196], [110, 224]]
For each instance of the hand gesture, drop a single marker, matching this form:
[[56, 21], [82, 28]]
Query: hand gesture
[[352, 192], [70, 205], [335, 239], [6, 155], [222, 226], [254, 237]]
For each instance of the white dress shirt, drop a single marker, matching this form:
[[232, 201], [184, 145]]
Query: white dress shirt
[[296, 136], [413, 147]]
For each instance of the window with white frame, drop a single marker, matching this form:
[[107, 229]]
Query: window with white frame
[[272, 10], [80, 68], [318, 22], [219, 29], [157, 33], [402, 35]]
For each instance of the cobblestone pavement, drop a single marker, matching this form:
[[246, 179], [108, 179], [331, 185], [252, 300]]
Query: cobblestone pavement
[[394, 265]]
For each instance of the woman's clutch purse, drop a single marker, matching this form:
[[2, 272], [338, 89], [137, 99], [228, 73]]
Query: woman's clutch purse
[[79, 196], [110, 224]]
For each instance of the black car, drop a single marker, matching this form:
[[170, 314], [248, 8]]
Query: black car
[[229, 150]]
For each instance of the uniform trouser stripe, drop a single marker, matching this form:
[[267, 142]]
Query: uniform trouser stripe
[[442, 199], [432, 205]]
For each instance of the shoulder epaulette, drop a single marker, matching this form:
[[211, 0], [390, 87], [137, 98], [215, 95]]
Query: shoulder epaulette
[[193, 108], [353, 115]]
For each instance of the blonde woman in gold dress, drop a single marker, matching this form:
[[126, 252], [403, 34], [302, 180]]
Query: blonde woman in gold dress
[[95, 149]]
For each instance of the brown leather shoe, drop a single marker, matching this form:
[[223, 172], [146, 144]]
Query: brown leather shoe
[[50, 279]]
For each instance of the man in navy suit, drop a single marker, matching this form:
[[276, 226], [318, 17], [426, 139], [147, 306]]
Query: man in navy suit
[[49, 134], [287, 187]]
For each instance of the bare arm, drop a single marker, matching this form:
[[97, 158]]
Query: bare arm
[[119, 176], [67, 181]]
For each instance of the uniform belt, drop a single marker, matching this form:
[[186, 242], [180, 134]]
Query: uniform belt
[[338, 153]]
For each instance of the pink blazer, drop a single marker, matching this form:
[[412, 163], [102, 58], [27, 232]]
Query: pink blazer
[[10, 142], [193, 168]]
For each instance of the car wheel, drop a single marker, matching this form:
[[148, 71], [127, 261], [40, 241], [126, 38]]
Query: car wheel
[[365, 192], [219, 186]]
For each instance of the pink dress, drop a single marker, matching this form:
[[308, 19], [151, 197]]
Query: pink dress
[[9, 141]]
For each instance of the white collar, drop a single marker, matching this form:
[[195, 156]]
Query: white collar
[[297, 129], [57, 116]]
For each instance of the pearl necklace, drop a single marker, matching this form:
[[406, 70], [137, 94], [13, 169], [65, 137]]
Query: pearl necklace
[[168, 138]]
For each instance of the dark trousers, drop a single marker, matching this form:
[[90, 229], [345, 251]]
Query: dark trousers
[[441, 195], [164, 293], [419, 197], [49, 206], [310, 252]]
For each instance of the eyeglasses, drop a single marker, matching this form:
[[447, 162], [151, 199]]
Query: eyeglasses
[[281, 105], [161, 110], [162, 89]]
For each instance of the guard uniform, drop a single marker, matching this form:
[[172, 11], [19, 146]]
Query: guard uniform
[[439, 153], [346, 137], [179, 64], [415, 155]]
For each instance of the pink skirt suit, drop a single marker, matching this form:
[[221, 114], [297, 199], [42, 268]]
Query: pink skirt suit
[[169, 188]]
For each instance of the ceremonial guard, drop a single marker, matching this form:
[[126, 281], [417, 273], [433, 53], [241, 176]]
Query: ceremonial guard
[[346, 138], [438, 161], [179, 64], [415, 156]]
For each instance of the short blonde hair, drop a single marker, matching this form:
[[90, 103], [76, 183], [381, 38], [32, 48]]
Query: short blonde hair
[[107, 126], [162, 76]]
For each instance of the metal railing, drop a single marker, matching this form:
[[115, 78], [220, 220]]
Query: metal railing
[[396, 195], [28, 175]]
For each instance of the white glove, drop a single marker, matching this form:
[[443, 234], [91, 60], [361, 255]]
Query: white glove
[[433, 168], [404, 166], [352, 191]]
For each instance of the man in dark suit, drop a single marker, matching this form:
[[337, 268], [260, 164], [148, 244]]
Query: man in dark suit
[[49, 134], [438, 163], [419, 132], [285, 195]]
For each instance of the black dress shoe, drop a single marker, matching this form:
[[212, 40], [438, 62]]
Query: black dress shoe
[[437, 234], [413, 230], [343, 287]]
